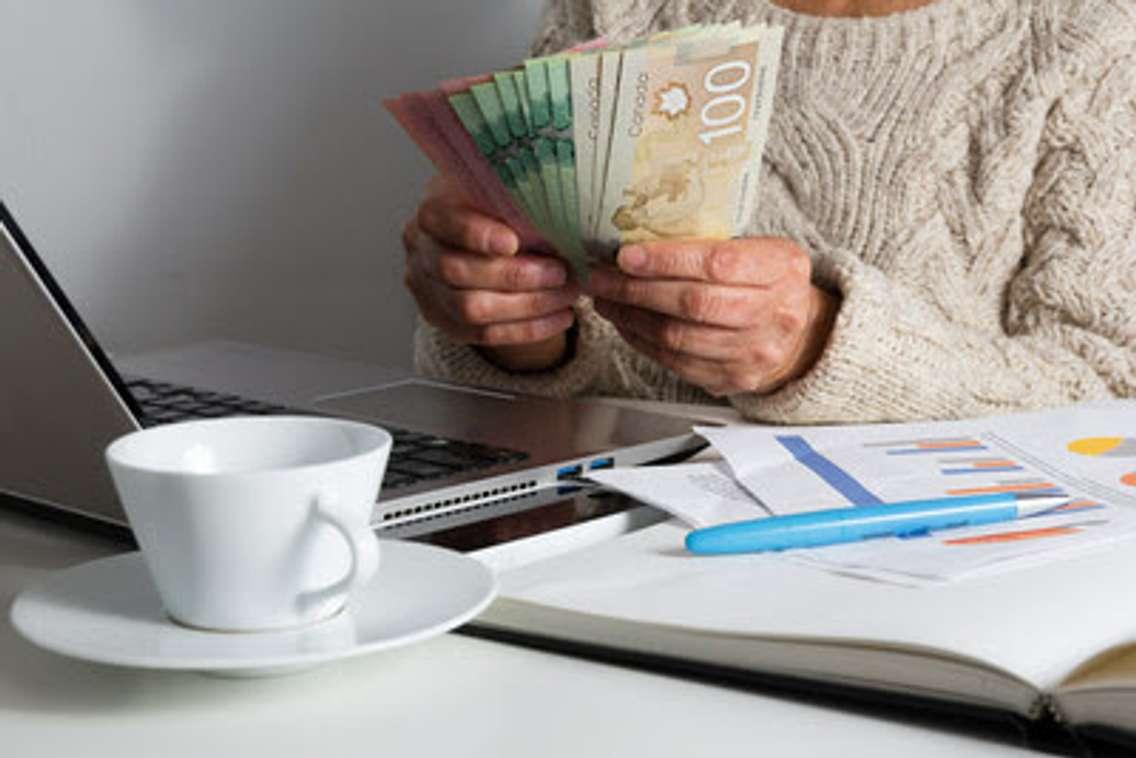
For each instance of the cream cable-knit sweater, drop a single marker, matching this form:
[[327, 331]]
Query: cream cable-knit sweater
[[964, 176]]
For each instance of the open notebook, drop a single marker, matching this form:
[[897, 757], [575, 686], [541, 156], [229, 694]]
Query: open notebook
[[1055, 641]]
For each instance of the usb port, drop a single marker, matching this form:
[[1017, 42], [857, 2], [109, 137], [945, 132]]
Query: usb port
[[601, 463], [569, 472]]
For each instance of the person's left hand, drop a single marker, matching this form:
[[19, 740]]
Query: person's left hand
[[729, 316]]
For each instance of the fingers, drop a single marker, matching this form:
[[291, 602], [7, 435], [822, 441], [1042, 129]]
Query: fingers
[[712, 376], [465, 270], [748, 262], [454, 224], [675, 335], [729, 316], [714, 304], [722, 361], [477, 290], [486, 307], [489, 317], [517, 333], [546, 315]]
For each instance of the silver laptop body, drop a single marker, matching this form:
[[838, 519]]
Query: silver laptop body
[[62, 402]]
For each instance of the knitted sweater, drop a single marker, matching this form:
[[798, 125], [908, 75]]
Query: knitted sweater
[[963, 176]]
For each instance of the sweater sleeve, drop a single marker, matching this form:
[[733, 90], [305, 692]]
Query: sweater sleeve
[[1068, 327], [563, 24], [437, 355], [566, 23]]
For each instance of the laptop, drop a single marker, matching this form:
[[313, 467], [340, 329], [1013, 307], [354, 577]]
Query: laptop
[[458, 451]]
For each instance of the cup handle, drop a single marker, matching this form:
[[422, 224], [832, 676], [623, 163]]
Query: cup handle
[[362, 543]]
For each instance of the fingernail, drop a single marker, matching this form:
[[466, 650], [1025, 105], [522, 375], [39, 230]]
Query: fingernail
[[632, 258], [502, 242]]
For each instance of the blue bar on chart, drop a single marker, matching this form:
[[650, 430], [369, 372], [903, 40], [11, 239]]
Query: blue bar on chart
[[957, 466], [836, 477]]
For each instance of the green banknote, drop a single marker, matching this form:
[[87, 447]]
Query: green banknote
[[511, 137], [549, 94], [543, 148], [521, 86], [511, 87], [483, 136], [562, 135]]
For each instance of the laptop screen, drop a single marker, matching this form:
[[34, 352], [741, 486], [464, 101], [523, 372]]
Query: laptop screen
[[16, 239], [61, 401]]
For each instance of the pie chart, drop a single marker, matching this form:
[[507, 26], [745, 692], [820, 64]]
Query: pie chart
[[1104, 447]]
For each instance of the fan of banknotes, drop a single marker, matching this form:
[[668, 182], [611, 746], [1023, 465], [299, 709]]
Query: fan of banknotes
[[603, 145]]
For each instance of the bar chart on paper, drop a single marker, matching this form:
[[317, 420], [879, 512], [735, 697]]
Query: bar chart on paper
[[794, 471], [945, 467], [850, 472]]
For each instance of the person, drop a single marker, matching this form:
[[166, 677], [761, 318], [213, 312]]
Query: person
[[946, 227]]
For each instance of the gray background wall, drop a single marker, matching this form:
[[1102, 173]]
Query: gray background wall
[[223, 168]]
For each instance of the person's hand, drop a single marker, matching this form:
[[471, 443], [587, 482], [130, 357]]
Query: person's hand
[[728, 316], [468, 279]]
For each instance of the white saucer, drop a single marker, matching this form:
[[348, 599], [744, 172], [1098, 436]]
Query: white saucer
[[108, 611]]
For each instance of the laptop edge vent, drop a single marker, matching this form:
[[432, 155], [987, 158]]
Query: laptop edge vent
[[459, 504]]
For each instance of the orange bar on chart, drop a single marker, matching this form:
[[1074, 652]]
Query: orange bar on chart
[[1032, 534], [1027, 487], [947, 445], [994, 464], [1078, 505]]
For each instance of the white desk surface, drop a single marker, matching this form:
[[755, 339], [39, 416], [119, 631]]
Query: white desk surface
[[453, 695]]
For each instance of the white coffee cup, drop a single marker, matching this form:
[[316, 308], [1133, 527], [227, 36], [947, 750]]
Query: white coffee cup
[[253, 523]]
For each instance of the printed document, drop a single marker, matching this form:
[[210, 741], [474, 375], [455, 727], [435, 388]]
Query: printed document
[[1086, 454]]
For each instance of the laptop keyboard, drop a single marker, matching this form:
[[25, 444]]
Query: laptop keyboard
[[415, 456]]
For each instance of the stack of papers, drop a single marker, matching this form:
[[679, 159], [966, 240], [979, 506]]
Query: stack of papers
[[1082, 454]]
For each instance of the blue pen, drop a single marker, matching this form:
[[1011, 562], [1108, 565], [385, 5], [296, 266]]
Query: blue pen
[[837, 525]]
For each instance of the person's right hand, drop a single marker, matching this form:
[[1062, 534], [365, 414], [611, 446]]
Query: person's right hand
[[469, 281]]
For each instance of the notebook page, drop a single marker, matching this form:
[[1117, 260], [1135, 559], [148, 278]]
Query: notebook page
[[1102, 692], [1038, 624]]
